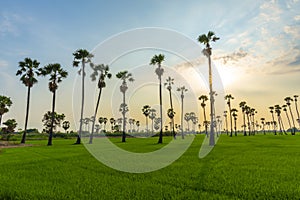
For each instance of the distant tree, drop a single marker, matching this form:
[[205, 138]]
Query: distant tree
[[226, 121], [229, 97], [278, 112], [146, 112], [47, 120], [182, 90], [242, 106], [284, 109], [10, 124], [263, 122], [187, 118], [81, 56], [204, 98], [296, 106], [288, 103], [124, 76], [158, 59], [66, 125], [171, 113], [152, 117], [5, 103], [272, 113], [104, 122], [168, 84], [234, 115], [112, 123], [28, 69], [138, 125], [56, 73]]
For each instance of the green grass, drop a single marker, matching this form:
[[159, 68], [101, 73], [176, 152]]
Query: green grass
[[255, 167]]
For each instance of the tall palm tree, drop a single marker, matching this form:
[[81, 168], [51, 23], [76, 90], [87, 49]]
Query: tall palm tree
[[137, 125], [28, 69], [234, 115], [206, 39], [104, 122], [288, 103], [81, 56], [57, 73], [187, 119], [124, 76], [252, 114], [226, 121], [278, 112], [182, 90], [242, 106], [229, 97], [171, 113], [103, 72], [284, 109], [204, 98], [5, 103], [296, 106], [272, 113], [152, 116], [146, 112], [263, 124], [112, 122], [158, 59], [169, 83], [248, 112]]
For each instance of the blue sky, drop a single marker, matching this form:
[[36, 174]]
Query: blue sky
[[258, 55]]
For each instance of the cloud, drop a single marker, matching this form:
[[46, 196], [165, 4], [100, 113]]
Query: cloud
[[3, 63], [232, 57], [295, 62], [297, 18], [10, 23]]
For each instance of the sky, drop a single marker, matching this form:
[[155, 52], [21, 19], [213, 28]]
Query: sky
[[257, 58]]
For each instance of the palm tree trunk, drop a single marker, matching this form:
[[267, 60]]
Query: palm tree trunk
[[297, 112], [147, 125], [160, 140], [182, 135], [26, 118], [152, 131], [283, 129], [230, 118], [249, 125], [212, 134], [204, 113], [274, 124], [289, 121], [244, 120], [0, 120], [124, 122], [235, 133], [226, 123], [52, 119], [172, 120], [82, 105], [95, 114], [293, 129]]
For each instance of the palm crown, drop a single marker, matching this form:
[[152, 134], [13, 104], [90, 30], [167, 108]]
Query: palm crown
[[27, 70], [103, 72]]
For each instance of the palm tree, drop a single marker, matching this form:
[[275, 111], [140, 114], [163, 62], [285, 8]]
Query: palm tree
[[194, 120], [112, 122], [272, 113], [252, 114], [146, 112], [104, 122], [263, 124], [57, 73], [124, 76], [284, 109], [278, 112], [228, 97], [158, 59], [187, 119], [100, 120], [103, 72], [206, 39], [152, 117], [182, 90], [66, 125], [81, 56], [204, 98], [226, 121], [5, 103], [242, 106], [171, 113], [169, 83], [296, 106], [28, 69], [219, 125], [288, 103], [138, 125], [234, 115], [248, 112]]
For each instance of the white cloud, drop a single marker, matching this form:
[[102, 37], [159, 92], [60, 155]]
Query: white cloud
[[3, 63], [297, 18]]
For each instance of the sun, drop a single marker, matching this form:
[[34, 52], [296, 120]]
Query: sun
[[229, 75]]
